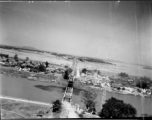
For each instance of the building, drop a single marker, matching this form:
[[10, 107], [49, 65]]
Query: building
[[114, 85], [78, 73]]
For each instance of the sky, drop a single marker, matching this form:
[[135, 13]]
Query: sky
[[100, 29]]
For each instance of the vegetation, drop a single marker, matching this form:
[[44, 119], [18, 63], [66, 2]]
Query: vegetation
[[123, 74], [41, 68], [12, 109], [67, 73], [4, 55], [57, 106], [27, 58], [144, 83], [99, 72], [20, 48], [28, 65], [84, 70], [16, 57], [88, 97], [92, 60], [47, 64], [147, 67], [123, 88], [114, 108], [81, 115], [145, 115], [139, 90], [83, 59]]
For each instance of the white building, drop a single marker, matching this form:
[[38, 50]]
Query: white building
[[77, 73], [129, 89]]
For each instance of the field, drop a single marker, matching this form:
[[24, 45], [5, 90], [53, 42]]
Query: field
[[11, 109]]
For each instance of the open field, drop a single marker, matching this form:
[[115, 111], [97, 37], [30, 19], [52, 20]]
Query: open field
[[63, 56], [22, 109], [107, 69], [11, 71]]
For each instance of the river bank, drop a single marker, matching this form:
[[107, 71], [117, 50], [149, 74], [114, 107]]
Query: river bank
[[109, 89], [46, 92], [14, 108], [57, 80]]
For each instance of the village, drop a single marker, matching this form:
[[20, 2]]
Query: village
[[92, 78]]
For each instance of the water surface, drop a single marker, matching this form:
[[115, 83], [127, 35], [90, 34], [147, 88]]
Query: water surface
[[46, 92]]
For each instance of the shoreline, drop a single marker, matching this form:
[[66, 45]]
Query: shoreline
[[16, 108], [77, 98], [121, 92], [56, 82], [24, 100]]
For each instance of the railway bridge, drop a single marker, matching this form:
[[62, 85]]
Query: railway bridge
[[69, 89], [67, 97]]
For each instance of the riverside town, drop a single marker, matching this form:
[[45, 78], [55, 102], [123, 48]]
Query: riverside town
[[75, 59]]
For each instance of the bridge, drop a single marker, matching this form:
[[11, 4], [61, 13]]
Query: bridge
[[67, 97], [69, 89], [68, 108]]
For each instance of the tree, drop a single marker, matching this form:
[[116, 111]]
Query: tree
[[84, 70], [67, 72], [118, 88], [139, 90], [47, 64], [144, 83], [57, 106], [114, 108], [88, 97], [16, 57], [123, 88], [7, 56], [41, 68], [99, 72], [31, 63], [145, 115], [123, 74], [151, 91], [27, 58], [7, 60], [90, 105]]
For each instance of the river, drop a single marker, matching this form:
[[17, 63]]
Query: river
[[44, 92]]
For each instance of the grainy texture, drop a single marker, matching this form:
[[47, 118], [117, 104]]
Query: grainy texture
[[12, 109]]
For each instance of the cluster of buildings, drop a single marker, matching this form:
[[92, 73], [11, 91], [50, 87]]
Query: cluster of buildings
[[90, 77], [101, 81], [30, 66], [56, 70], [93, 78]]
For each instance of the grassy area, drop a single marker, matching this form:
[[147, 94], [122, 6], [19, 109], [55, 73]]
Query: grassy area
[[11, 109], [124, 83], [69, 57], [9, 71], [10, 115]]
